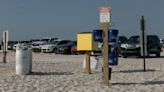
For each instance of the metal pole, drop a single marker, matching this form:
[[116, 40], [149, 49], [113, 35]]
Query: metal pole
[[143, 40], [105, 27]]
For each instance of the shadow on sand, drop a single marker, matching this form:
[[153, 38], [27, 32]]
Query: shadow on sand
[[132, 71], [152, 57], [145, 83], [140, 57], [51, 73]]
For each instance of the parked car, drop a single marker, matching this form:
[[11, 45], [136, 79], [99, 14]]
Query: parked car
[[53, 47], [162, 43], [49, 47], [34, 40], [66, 48], [37, 45], [49, 39], [22, 43], [121, 40], [11, 44], [75, 51], [132, 47]]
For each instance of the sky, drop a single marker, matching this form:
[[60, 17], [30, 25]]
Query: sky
[[35, 19]]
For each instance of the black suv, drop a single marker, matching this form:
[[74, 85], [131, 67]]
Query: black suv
[[132, 47], [121, 40]]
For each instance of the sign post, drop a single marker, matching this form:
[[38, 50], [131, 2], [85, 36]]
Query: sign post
[[105, 18], [143, 42], [87, 57], [5, 45]]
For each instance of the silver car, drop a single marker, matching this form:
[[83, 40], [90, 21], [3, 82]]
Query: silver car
[[49, 47], [52, 47]]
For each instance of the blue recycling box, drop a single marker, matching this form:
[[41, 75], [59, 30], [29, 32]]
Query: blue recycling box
[[113, 58], [112, 40], [112, 35], [97, 35]]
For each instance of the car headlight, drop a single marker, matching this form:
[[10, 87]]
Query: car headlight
[[123, 45], [137, 45]]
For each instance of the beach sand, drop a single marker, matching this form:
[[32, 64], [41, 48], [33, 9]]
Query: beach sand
[[64, 73]]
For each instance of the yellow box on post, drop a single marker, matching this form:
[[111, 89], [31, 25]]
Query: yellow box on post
[[85, 42]]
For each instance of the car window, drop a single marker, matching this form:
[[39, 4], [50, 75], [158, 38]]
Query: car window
[[54, 42], [153, 39], [122, 39], [134, 39], [63, 42], [71, 43], [45, 40]]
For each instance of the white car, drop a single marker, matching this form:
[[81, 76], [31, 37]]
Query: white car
[[20, 44], [49, 47], [162, 43], [36, 46]]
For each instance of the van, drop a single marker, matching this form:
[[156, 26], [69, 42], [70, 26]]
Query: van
[[132, 47]]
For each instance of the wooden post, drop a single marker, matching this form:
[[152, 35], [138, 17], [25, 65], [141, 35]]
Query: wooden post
[[105, 27], [87, 58], [4, 47], [105, 19], [4, 57]]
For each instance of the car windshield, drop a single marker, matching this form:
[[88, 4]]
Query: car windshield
[[153, 39], [54, 42], [34, 40], [12, 42], [122, 39], [23, 42], [44, 40], [62, 42], [134, 39]]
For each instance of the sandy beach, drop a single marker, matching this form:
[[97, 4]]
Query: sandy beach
[[64, 73]]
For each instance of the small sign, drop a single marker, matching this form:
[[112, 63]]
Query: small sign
[[105, 14]]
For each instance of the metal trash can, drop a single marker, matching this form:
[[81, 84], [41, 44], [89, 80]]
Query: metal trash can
[[23, 60]]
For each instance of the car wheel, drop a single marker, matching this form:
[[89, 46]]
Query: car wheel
[[158, 54], [124, 56], [55, 50]]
